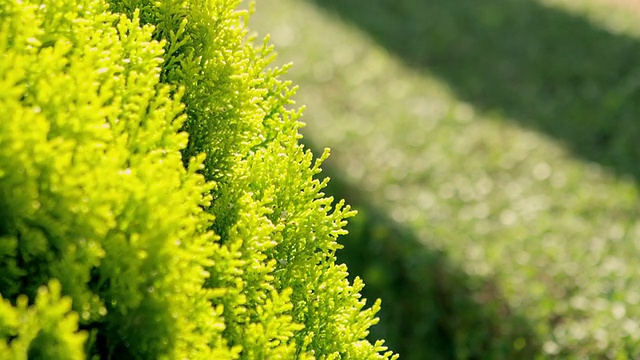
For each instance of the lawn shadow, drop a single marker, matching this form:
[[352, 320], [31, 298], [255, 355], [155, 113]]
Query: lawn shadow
[[547, 69], [431, 308]]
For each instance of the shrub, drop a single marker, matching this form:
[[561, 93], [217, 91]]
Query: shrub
[[137, 240]]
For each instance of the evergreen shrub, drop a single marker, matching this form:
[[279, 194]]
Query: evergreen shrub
[[155, 202]]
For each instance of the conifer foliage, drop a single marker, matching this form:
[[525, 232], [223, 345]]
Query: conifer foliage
[[154, 200]]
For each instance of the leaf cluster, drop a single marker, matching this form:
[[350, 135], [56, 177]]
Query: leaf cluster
[[154, 199]]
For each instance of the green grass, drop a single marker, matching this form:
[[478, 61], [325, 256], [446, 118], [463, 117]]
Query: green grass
[[491, 148]]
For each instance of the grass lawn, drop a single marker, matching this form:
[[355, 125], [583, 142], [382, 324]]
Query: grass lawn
[[492, 149]]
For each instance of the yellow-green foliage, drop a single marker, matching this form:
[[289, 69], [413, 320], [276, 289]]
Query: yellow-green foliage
[[44, 330], [154, 199]]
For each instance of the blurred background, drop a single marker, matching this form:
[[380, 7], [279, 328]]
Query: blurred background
[[492, 149]]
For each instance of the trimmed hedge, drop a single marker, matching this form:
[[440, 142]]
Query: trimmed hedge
[[154, 199]]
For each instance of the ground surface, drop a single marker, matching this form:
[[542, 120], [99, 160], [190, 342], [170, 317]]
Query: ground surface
[[492, 147]]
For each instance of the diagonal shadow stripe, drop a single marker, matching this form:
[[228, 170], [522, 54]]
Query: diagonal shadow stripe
[[547, 69], [432, 308], [543, 68]]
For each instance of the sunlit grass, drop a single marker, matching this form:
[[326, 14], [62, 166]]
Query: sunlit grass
[[516, 204]]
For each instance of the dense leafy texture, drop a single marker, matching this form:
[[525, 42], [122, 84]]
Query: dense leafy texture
[[154, 199]]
